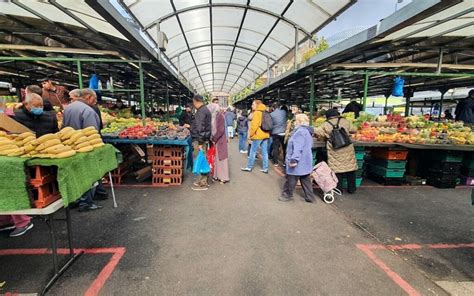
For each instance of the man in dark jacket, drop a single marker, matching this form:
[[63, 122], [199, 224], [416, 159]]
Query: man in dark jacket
[[33, 117], [186, 117], [465, 109], [201, 131], [353, 106]]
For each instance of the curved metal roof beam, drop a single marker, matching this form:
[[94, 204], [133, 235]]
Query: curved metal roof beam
[[269, 56], [228, 5], [228, 84], [245, 79], [209, 63], [232, 27], [230, 50]]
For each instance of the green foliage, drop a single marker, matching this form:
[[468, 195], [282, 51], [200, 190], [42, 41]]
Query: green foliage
[[321, 45]]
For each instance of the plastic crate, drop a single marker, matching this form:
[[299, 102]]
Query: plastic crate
[[468, 163], [165, 181], [40, 175], [390, 164], [446, 167], [446, 156], [170, 162], [167, 171], [360, 163], [360, 155], [358, 183], [165, 152], [435, 175], [359, 148], [390, 154], [385, 172], [442, 184], [387, 181], [45, 194]]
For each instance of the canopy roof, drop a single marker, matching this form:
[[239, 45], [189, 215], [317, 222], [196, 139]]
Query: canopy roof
[[73, 29], [224, 45], [433, 37]]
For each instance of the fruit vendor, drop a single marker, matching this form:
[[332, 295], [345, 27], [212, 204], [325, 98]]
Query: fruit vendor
[[32, 115], [57, 95]]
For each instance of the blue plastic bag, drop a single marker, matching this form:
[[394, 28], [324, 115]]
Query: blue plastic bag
[[201, 166], [397, 90], [94, 82]]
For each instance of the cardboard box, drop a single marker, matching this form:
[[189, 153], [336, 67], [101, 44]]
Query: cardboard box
[[11, 126]]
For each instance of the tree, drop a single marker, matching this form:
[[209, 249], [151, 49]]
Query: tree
[[321, 45]]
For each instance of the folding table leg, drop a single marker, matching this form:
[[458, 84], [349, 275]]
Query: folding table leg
[[69, 232], [53, 241], [112, 188]]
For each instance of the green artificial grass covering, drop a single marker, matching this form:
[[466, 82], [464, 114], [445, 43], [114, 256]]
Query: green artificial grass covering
[[76, 175]]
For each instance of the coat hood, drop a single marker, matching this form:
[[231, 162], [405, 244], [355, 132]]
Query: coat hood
[[261, 107], [309, 128]]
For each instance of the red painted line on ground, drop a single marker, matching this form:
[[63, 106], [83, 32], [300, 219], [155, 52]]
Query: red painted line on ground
[[450, 246], [99, 281], [104, 275], [404, 247], [397, 279]]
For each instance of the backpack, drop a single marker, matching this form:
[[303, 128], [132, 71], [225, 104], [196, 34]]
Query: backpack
[[267, 122], [339, 137]]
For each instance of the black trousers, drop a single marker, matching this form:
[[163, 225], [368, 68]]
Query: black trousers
[[277, 142], [306, 183], [351, 181]]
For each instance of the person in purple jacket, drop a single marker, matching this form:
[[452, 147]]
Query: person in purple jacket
[[299, 160]]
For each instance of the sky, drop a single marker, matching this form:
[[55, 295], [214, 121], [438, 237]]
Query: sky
[[362, 15]]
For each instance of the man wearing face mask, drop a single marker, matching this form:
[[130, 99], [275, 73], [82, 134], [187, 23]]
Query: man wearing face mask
[[32, 115]]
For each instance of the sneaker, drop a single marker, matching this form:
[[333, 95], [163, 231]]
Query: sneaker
[[245, 151], [91, 207], [7, 227], [246, 169], [284, 199], [21, 231], [199, 188], [264, 171], [241, 151]]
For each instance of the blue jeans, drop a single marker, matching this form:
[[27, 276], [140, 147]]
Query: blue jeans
[[86, 198], [242, 141], [253, 152]]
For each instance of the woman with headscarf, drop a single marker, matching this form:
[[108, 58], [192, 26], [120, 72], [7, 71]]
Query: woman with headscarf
[[219, 140]]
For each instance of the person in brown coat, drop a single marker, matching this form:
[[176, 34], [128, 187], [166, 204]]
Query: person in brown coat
[[342, 161], [55, 94]]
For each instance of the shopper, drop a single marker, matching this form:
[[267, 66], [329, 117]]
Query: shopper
[[79, 115], [448, 115], [354, 107], [342, 161], [19, 224], [53, 93], [35, 89], [230, 118], [33, 116], [249, 142], [242, 130], [201, 131], [186, 117], [279, 119], [465, 109], [219, 140], [299, 160], [259, 138]]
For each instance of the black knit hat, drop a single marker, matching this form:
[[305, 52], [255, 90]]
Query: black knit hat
[[198, 98], [332, 113]]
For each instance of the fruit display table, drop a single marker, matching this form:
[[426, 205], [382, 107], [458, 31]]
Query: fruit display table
[[75, 176], [186, 143]]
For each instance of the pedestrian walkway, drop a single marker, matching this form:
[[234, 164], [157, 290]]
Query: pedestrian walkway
[[234, 239]]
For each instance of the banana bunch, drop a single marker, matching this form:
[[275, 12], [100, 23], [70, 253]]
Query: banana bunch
[[84, 140], [50, 146], [13, 147]]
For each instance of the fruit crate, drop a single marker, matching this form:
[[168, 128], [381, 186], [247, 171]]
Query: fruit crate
[[446, 167], [468, 163], [167, 171], [466, 171], [386, 172], [390, 154], [45, 194], [160, 152], [118, 173], [358, 182], [166, 181], [359, 173], [390, 164], [359, 148], [39, 175], [436, 175], [387, 181], [168, 163], [360, 163]]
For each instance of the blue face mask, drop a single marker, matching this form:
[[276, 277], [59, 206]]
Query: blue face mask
[[36, 111], [1, 110]]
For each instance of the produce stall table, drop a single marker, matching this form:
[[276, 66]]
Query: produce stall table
[[75, 176], [187, 144], [49, 212], [467, 148]]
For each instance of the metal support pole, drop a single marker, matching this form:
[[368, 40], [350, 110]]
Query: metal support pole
[[366, 89], [443, 92], [79, 73], [407, 103], [440, 61], [296, 49], [142, 92], [385, 107], [269, 74], [311, 98], [167, 102], [179, 67]]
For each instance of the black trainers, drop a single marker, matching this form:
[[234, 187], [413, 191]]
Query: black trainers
[[91, 207], [7, 227], [21, 231]]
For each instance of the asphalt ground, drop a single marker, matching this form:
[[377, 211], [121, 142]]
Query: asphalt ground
[[237, 239]]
